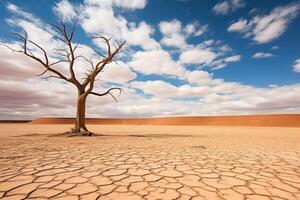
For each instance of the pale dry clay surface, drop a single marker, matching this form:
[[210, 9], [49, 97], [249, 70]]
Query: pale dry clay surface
[[149, 162]]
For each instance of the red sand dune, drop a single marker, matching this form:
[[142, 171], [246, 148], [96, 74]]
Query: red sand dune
[[280, 120]]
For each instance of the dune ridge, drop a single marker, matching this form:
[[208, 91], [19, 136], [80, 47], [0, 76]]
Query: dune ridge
[[278, 120]]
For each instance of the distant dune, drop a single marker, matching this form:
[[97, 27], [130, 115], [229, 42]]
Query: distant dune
[[280, 120], [14, 121]]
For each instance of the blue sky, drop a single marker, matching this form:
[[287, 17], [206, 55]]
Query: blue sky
[[222, 57]]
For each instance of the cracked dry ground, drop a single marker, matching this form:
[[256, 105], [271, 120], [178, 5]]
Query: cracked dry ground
[[197, 163]]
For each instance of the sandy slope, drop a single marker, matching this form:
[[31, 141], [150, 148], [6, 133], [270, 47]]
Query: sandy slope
[[283, 120], [150, 162]]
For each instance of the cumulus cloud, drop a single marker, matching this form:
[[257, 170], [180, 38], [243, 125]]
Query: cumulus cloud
[[175, 35], [197, 77], [140, 36], [156, 62], [296, 66], [262, 55], [99, 16], [164, 89], [197, 56], [238, 26], [227, 6], [118, 73], [65, 10], [266, 28]]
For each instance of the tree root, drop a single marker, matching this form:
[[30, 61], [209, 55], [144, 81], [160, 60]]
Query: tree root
[[74, 133]]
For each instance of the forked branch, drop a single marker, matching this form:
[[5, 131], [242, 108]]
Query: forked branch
[[108, 92], [70, 53], [99, 66]]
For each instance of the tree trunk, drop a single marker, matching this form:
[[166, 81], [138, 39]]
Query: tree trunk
[[80, 115]]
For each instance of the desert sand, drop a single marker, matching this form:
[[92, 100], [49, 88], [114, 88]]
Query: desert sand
[[150, 162], [276, 120]]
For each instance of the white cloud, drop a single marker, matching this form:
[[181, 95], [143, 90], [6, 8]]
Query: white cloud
[[156, 62], [131, 4], [209, 54], [174, 40], [195, 29], [128, 4], [223, 87], [175, 35], [169, 27], [223, 98], [262, 55], [221, 8], [296, 66], [199, 77], [158, 88], [224, 7], [65, 10], [99, 16], [164, 89], [265, 28], [238, 26], [197, 56], [21, 13], [101, 20], [117, 73], [16, 68], [28, 98], [223, 62], [234, 58], [140, 35]]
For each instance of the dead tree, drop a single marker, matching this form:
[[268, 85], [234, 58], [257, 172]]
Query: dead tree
[[68, 55]]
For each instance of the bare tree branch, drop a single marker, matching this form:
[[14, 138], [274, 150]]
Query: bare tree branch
[[13, 50], [43, 50], [51, 76], [97, 52], [73, 31], [75, 47], [108, 92], [101, 64], [57, 62], [88, 60], [41, 74], [67, 39], [106, 40]]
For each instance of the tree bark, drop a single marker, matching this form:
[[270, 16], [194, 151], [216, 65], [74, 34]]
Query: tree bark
[[80, 114]]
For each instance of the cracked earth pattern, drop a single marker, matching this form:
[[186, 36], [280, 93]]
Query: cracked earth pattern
[[149, 166]]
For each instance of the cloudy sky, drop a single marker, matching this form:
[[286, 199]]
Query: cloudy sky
[[182, 57]]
